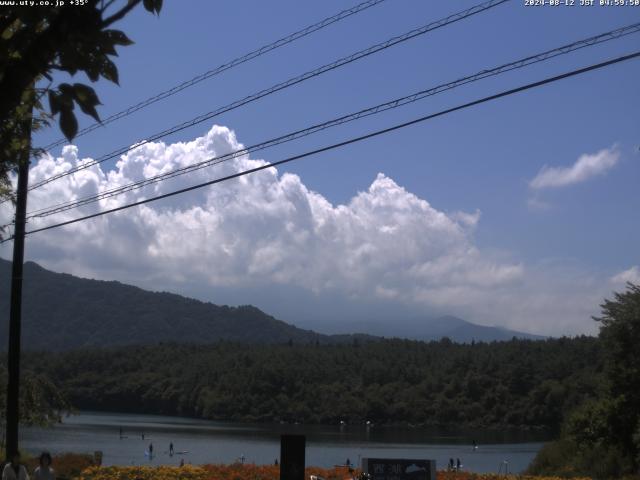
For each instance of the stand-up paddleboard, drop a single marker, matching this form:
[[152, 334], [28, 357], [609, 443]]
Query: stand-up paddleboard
[[181, 452]]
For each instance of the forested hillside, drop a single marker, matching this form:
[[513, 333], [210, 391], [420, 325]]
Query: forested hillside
[[522, 383], [62, 312]]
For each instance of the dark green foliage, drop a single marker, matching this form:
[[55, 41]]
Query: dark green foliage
[[38, 40], [62, 101], [391, 381], [552, 458], [565, 458], [41, 401], [601, 438], [620, 336]]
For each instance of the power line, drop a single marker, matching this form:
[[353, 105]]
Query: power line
[[286, 84], [224, 67], [346, 142], [530, 60]]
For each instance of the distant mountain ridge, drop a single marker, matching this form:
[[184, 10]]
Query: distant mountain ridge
[[426, 329], [461, 331], [63, 312]]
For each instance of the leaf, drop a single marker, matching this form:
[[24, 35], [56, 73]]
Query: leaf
[[85, 95], [66, 90], [153, 6], [93, 71], [91, 110], [117, 37], [108, 48], [54, 102], [69, 59], [109, 70], [65, 97], [68, 124], [87, 99]]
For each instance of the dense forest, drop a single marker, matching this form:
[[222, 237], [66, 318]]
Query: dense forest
[[522, 383]]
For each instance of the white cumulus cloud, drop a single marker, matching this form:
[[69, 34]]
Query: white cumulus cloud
[[586, 167], [268, 233]]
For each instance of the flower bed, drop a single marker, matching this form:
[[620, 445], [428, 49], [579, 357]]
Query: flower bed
[[444, 475], [68, 466], [187, 472], [203, 472]]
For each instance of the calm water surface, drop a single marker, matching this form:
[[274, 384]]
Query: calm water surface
[[218, 442]]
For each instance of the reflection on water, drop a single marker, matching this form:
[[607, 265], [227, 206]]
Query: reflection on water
[[219, 442]]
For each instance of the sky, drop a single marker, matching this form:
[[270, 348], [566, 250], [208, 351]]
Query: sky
[[520, 213]]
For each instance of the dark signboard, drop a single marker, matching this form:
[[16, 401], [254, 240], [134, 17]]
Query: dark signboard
[[399, 469], [292, 449]]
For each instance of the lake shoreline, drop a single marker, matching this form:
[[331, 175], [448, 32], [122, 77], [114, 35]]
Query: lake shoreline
[[224, 443], [548, 433]]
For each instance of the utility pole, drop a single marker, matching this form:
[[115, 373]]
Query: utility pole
[[15, 314]]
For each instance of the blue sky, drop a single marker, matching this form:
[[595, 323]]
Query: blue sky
[[477, 160]]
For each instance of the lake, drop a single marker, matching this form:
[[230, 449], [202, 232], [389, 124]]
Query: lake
[[221, 442]]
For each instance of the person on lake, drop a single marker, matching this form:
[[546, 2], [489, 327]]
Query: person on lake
[[171, 448], [44, 470], [13, 470], [348, 462], [151, 449], [451, 464], [458, 464]]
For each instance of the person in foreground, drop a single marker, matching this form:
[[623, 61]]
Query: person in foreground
[[13, 470], [44, 470]]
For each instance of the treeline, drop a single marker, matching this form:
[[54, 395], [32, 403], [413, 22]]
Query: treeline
[[601, 438], [41, 401], [521, 383]]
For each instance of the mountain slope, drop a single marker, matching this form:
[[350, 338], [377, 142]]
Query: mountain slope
[[427, 329], [461, 331], [62, 312]]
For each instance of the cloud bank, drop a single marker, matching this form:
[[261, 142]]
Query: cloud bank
[[268, 233], [631, 275], [586, 167]]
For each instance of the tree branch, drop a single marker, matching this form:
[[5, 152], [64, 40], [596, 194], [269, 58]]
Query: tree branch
[[121, 13], [107, 5]]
